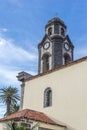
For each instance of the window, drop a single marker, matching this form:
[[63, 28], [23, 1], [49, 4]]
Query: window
[[66, 58], [62, 32], [45, 63], [50, 31], [47, 97]]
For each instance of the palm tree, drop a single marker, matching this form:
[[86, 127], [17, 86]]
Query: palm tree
[[9, 96], [14, 108]]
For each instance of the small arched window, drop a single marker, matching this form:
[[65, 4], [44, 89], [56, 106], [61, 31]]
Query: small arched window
[[66, 58], [47, 97], [45, 62], [50, 31], [62, 32]]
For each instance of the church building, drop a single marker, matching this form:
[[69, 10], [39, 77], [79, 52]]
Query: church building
[[59, 90]]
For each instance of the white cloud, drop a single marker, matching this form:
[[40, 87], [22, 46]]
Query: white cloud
[[14, 59], [8, 77], [10, 52]]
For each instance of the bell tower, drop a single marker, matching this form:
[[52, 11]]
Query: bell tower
[[56, 48]]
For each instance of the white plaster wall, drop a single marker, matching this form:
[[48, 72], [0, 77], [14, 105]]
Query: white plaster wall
[[48, 126], [69, 95], [52, 127]]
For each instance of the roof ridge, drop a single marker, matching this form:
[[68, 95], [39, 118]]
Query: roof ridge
[[58, 68], [32, 110], [32, 115], [26, 111]]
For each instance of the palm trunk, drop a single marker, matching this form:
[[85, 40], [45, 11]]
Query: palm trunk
[[8, 106]]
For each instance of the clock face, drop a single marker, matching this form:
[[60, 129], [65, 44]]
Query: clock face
[[46, 45], [66, 45]]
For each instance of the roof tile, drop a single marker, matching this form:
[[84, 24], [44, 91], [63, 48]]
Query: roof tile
[[30, 114]]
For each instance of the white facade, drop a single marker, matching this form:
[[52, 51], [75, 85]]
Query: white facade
[[69, 94]]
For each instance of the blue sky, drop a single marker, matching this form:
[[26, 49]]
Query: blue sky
[[22, 26]]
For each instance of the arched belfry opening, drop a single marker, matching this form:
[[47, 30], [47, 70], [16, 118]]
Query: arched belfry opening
[[62, 32], [45, 59], [50, 31], [67, 58]]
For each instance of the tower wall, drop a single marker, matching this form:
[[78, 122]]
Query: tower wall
[[57, 43]]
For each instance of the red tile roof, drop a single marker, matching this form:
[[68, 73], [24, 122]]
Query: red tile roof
[[32, 115]]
